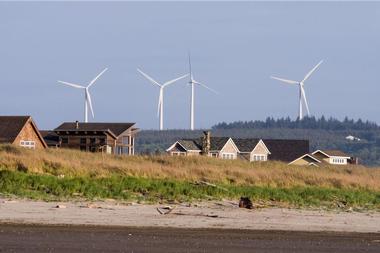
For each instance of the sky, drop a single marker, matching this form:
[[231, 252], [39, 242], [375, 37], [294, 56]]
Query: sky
[[235, 48]]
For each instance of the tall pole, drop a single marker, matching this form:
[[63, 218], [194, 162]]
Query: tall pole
[[192, 106], [300, 116], [85, 108], [162, 109]]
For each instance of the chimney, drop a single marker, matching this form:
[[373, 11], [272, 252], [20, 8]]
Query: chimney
[[206, 142], [77, 124]]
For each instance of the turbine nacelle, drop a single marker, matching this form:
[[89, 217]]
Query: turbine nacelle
[[87, 95], [160, 107], [192, 83], [301, 84]]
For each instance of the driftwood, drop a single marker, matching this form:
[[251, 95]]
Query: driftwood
[[165, 209], [209, 184]]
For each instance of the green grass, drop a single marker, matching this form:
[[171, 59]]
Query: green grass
[[128, 188]]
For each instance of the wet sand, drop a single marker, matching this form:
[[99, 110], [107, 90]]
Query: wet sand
[[27, 238]]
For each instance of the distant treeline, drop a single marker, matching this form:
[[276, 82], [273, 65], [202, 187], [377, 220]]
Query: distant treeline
[[305, 123], [322, 133]]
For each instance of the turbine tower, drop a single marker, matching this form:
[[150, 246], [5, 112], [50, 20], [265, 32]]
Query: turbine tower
[[192, 83], [160, 108], [87, 96], [302, 94]]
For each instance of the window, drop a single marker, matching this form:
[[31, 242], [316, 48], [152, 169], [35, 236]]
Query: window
[[125, 140], [83, 140], [338, 161], [102, 141], [228, 156], [65, 140], [178, 153], [28, 144], [92, 140], [261, 158]]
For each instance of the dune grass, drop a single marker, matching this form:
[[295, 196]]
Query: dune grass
[[65, 174]]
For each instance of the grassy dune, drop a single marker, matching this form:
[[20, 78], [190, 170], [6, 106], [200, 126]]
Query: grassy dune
[[56, 174]]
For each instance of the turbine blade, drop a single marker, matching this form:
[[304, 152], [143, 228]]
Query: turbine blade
[[96, 78], [149, 78], [305, 100], [201, 84], [174, 80], [284, 80], [311, 71], [72, 85], [90, 102], [191, 73]]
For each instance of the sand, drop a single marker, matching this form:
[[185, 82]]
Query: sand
[[222, 214]]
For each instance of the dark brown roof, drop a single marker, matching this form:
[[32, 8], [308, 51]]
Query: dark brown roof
[[246, 145], [115, 128], [286, 150], [190, 144], [10, 127], [335, 153], [217, 143], [50, 137]]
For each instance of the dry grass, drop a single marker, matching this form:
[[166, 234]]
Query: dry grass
[[272, 174]]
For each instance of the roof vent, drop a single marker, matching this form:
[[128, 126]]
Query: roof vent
[[77, 124]]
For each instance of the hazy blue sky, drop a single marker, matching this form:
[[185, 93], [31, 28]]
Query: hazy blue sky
[[235, 47]]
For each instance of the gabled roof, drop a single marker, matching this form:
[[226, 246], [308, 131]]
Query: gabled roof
[[311, 156], [11, 126], [190, 144], [116, 128], [330, 153], [217, 143], [286, 150], [246, 145]]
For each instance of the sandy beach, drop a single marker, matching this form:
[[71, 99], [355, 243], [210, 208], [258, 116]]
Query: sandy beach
[[215, 214]]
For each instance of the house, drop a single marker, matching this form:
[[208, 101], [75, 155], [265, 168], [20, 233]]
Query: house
[[186, 147], [21, 131], [220, 147], [112, 138], [324, 157], [306, 160], [334, 157], [252, 149], [352, 138], [247, 149]]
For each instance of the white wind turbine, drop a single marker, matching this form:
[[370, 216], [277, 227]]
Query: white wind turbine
[[160, 109], [87, 96], [302, 95], [193, 82]]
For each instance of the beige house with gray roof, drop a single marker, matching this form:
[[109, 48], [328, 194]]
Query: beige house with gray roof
[[252, 149], [220, 147], [324, 157]]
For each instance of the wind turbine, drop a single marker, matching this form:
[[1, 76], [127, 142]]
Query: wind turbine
[[160, 108], [87, 96], [193, 82], [302, 95]]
